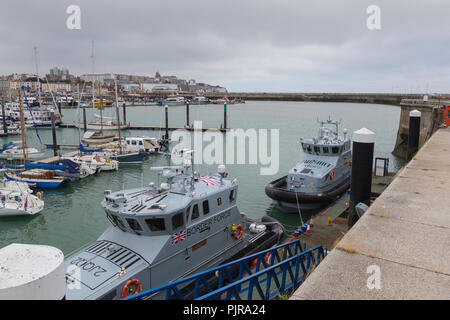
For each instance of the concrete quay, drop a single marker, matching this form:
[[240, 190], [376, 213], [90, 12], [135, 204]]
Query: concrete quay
[[405, 233]]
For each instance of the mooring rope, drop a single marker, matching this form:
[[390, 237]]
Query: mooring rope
[[298, 207]]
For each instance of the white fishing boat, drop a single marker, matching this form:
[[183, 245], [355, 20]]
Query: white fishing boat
[[175, 101], [96, 162], [107, 125], [16, 152], [199, 100], [11, 129], [16, 199], [145, 145]]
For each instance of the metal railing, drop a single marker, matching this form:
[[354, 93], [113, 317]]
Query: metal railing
[[263, 275]]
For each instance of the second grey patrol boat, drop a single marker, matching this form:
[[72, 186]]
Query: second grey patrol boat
[[322, 175], [159, 234]]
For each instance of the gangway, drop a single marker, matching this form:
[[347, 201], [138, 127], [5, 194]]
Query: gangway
[[260, 276]]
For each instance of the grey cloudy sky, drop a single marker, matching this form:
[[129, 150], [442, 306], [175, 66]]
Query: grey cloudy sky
[[244, 45]]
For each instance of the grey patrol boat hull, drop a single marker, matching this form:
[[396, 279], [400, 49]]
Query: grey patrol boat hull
[[130, 254], [321, 176], [287, 200]]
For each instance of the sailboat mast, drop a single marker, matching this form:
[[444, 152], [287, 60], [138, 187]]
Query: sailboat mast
[[118, 118], [93, 86], [37, 75], [22, 127], [100, 106], [78, 114]]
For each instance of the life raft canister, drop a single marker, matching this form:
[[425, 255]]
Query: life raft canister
[[126, 290], [332, 174], [237, 231]]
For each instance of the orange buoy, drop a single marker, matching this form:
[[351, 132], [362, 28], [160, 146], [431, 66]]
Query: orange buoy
[[127, 290], [332, 174]]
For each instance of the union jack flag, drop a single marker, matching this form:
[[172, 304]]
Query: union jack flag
[[210, 181], [178, 237]]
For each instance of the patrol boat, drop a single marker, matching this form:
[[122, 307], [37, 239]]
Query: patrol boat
[[159, 234], [322, 174]]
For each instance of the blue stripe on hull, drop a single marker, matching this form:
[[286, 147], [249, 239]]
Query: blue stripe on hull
[[39, 183]]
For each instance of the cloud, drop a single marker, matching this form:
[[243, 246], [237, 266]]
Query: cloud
[[271, 45]]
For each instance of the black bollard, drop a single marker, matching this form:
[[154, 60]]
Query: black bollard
[[55, 146], [414, 133], [224, 115], [84, 120], [124, 113], [167, 123], [187, 114], [362, 163], [5, 127]]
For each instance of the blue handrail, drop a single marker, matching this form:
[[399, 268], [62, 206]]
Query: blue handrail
[[284, 266]]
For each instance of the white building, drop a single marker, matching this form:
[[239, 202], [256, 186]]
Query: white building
[[93, 78], [155, 87]]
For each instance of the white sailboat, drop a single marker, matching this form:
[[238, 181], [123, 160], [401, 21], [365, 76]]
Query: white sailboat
[[16, 199]]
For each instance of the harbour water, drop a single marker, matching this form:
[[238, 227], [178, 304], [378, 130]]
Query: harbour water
[[73, 215]]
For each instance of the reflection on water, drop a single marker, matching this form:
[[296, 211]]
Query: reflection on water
[[73, 216]]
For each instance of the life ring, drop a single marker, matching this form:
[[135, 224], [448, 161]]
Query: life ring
[[332, 174], [267, 258], [125, 289], [237, 234]]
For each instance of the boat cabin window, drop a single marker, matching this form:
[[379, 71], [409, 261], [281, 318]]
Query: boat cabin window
[[195, 212], [128, 141], [110, 218], [205, 207], [325, 149], [335, 149], [232, 196], [134, 225], [188, 212], [156, 224], [119, 223], [219, 201], [133, 142], [177, 220], [140, 143], [316, 149]]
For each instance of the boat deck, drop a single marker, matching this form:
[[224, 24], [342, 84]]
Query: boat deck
[[69, 154]]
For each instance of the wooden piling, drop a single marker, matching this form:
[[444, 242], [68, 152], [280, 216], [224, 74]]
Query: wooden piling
[[167, 123], [224, 115], [187, 114], [5, 127], [55, 146], [124, 107], [84, 120]]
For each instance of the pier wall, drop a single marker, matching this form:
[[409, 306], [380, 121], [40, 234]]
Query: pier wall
[[399, 248], [431, 118]]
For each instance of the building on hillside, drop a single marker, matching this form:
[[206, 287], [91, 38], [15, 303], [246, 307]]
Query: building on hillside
[[130, 87], [97, 78], [56, 87], [160, 87]]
